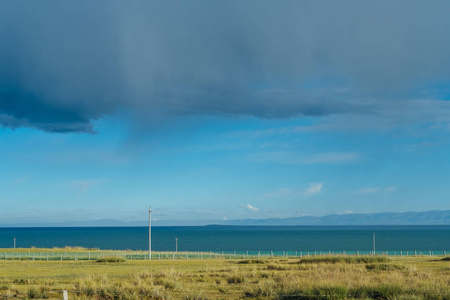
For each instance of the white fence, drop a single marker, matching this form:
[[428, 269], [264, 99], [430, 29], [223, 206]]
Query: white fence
[[143, 255]]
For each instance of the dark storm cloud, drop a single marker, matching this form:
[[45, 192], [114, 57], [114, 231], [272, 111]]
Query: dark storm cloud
[[64, 65]]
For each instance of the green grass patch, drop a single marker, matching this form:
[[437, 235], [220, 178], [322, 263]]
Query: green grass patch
[[111, 259], [344, 259], [338, 292]]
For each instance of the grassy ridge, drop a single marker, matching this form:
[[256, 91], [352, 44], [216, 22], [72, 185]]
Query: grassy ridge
[[344, 259], [326, 277]]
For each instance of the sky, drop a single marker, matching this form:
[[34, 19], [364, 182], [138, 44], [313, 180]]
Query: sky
[[216, 110]]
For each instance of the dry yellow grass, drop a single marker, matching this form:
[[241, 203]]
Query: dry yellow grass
[[323, 278]]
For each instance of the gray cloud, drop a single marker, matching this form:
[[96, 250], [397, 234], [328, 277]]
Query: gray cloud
[[65, 65]]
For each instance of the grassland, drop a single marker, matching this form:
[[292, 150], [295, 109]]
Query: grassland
[[321, 277]]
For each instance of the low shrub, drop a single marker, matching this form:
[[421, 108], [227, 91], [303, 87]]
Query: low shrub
[[251, 261], [167, 284], [275, 267], [235, 279], [5, 287], [34, 293], [24, 281], [338, 292], [384, 267]]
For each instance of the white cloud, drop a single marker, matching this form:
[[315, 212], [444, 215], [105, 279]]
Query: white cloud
[[370, 190], [82, 186], [250, 207], [373, 190], [290, 157], [330, 158], [314, 188], [345, 212], [282, 192], [389, 189], [20, 180]]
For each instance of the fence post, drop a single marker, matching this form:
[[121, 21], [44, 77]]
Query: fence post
[[65, 295]]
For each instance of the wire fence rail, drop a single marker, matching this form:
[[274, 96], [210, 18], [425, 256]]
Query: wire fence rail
[[143, 255]]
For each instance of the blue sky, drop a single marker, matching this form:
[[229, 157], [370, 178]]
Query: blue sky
[[224, 110]]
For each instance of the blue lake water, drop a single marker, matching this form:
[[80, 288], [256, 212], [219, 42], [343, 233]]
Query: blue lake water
[[236, 238]]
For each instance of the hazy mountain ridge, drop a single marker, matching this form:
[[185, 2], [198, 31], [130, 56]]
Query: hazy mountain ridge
[[435, 217]]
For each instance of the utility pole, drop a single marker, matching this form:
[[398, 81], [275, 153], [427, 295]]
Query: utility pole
[[176, 244], [150, 233], [14, 243], [374, 243]]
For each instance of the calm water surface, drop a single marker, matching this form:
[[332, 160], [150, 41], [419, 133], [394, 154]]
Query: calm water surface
[[236, 238]]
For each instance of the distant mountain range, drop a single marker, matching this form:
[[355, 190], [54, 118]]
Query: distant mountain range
[[435, 217]]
